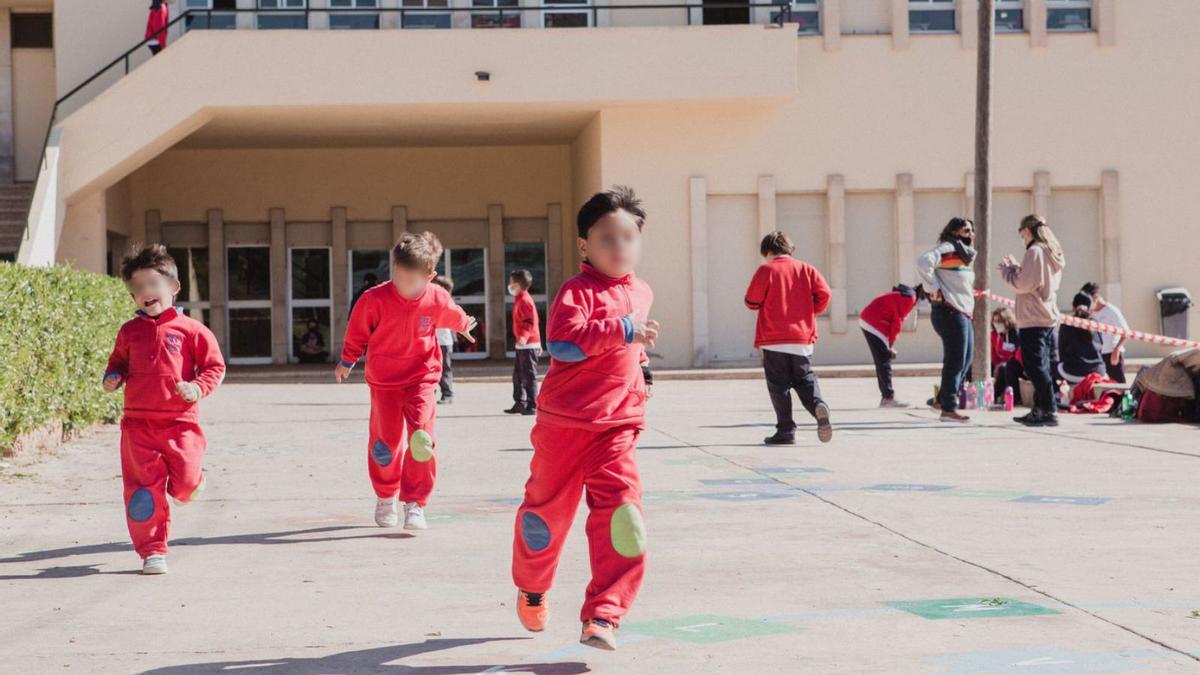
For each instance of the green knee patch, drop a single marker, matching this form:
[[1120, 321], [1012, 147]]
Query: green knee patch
[[628, 532], [420, 446]]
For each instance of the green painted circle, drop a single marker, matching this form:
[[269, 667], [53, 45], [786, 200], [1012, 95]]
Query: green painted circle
[[420, 446], [627, 531]]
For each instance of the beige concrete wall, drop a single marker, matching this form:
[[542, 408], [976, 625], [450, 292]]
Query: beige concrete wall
[[32, 98], [91, 34]]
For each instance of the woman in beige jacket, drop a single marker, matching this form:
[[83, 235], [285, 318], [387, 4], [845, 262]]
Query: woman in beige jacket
[[1036, 279]]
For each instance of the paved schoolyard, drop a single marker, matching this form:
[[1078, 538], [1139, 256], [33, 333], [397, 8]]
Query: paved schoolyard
[[904, 546]]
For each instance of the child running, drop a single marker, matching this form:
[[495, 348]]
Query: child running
[[398, 321], [528, 342], [445, 340], [590, 414], [167, 363]]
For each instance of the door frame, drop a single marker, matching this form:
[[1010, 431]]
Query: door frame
[[231, 304], [293, 303]]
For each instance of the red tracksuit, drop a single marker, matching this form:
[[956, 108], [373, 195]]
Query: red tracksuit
[[156, 21], [886, 314], [788, 294], [590, 412], [403, 370], [162, 445], [525, 319]]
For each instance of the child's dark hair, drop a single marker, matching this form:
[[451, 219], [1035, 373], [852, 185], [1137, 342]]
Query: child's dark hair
[[776, 243], [418, 251], [1091, 288], [150, 258], [522, 278], [620, 198], [445, 282]]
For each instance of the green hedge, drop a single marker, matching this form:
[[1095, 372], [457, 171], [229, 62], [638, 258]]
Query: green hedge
[[57, 327]]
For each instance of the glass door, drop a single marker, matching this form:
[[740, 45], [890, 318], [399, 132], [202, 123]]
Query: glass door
[[467, 268], [367, 268], [525, 256], [192, 263], [249, 289], [310, 304]]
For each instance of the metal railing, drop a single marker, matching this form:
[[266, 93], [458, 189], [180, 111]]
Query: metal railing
[[187, 21]]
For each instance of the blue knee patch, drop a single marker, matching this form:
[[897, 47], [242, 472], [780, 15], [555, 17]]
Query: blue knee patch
[[534, 531], [381, 453], [141, 505]]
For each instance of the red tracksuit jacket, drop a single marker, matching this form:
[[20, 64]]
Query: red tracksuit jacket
[[886, 313], [788, 294], [595, 380], [155, 22], [401, 333], [525, 319], [153, 354]]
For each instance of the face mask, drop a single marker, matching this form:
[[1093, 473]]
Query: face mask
[[966, 240], [999, 328], [512, 290]]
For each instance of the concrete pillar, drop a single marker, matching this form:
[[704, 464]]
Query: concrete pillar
[[1041, 193], [391, 20], [153, 227], [318, 20], [1110, 231], [341, 276], [900, 37], [766, 206], [399, 222], [698, 229], [279, 287], [7, 138], [246, 20], [835, 234], [1104, 20], [554, 249], [906, 217], [831, 24], [1035, 22], [966, 17], [968, 204], [496, 325], [216, 278]]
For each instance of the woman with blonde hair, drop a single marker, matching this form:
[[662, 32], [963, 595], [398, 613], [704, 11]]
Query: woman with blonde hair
[[1036, 279]]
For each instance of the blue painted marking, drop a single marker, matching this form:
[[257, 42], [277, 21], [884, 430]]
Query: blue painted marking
[[534, 531], [141, 505], [512, 501], [734, 482], [566, 351], [1079, 501], [381, 453], [747, 496], [794, 469], [908, 487], [1044, 659]]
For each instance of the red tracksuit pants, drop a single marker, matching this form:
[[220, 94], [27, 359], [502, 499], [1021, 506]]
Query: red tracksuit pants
[[397, 414], [568, 462], [158, 458]]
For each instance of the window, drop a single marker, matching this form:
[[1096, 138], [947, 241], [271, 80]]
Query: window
[[249, 289], [503, 17], [212, 21], [310, 297], [361, 20], [368, 268], [1069, 16], [1010, 16], [192, 264], [32, 31], [525, 256], [423, 19], [467, 268], [804, 13], [931, 16], [280, 19], [566, 14]]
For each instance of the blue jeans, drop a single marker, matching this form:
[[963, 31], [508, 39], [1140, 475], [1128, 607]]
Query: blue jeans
[[958, 340]]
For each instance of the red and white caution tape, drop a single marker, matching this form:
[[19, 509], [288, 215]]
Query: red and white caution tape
[[1095, 327]]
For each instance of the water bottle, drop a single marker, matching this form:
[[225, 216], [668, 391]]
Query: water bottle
[[962, 396], [1128, 406], [981, 395], [1008, 399], [989, 392], [969, 395]]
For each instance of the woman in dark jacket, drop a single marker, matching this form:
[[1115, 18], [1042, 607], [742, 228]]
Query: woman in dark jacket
[[1079, 348]]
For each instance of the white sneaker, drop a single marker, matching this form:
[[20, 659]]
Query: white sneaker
[[155, 564], [385, 513], [414, 516]]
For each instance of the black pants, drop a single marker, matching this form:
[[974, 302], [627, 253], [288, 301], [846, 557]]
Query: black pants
[[1116, 372], [1008, 374], [525, 383], [155, 49], [882, 354], [958, 343], [447, 382], [1035, 351], [784, 373]]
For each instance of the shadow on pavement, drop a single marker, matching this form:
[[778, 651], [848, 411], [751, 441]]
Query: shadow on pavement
[[375, 660], [64, 572]]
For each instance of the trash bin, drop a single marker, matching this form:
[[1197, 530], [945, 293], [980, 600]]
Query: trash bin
[[1173, 305]]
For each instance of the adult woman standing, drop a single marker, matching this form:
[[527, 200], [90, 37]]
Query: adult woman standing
[[1036, 279], [948, 275]]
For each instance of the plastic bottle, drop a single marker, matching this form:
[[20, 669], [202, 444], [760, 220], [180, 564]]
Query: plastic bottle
[[981, 395], [1008, 399], [969, 396], [989, 393], [962, 397]]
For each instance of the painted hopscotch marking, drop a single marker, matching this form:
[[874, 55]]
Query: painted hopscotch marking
[[985, 494], [908, 487], [794, 469], [969, 608], [746, 496], [1080, 501], [1043, 660], [707, 628], [734, 482]]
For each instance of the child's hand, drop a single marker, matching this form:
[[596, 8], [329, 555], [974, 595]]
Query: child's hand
[[188, 391], [521, 343], [112, 382], [340, 373], [1115, 358], [471, 324], [649, 392], [645, 332], [892, 351]]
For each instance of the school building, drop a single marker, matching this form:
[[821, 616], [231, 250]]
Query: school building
[[279, 147]]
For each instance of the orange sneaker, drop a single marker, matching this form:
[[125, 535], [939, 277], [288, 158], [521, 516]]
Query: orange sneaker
[[600, 634], [532, 610]]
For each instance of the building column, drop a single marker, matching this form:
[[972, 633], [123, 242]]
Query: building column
[[835, 234], [495, 287], [216, 278], [399, 222], [554, 249], [279, 289], [766, 206], [341, 281], [1110, 231], [1104, 19], [318, 20], [7, 138], [831, 24], [900, 37], [906, 246], [968, 204], [246, 20], [966, 17], [1041, 193], [153, 227], [1035, 22], [698, 229]]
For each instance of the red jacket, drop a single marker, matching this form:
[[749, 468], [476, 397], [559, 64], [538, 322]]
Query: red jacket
[[1005, 348], [156, 22], [886, 314], [401, 333], [788, 294], [153, 354], [595, 379], [525, 319]]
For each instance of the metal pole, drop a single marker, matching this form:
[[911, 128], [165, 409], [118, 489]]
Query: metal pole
[[982, 363]]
